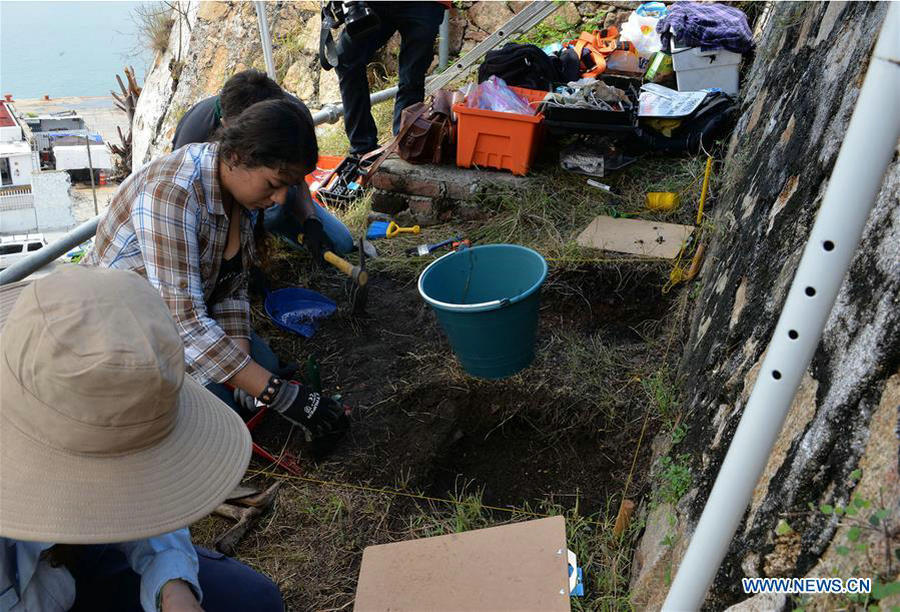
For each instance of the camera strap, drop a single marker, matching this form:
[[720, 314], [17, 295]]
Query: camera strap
[[328, 56]]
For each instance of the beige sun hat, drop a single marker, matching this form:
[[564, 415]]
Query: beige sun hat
[[102, 436]]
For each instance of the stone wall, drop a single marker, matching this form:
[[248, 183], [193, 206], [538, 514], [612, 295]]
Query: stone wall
[[212, 40], [796, 101]]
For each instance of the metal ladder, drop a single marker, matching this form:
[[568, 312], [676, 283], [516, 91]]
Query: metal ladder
[[529, 17]]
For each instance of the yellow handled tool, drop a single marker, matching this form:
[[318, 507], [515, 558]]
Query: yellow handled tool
[[357, 273], [395, 230], [359, 276]]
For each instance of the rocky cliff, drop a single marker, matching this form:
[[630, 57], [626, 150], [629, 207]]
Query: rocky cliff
[[838, 448], [212, 40]]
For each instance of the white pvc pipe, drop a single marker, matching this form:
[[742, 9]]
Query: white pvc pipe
[[857, 178], [265, 38]]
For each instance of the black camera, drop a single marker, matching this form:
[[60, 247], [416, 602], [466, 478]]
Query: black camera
[[357, 18], [356, 15]]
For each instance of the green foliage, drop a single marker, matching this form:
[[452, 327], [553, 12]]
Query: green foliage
[[674, 478], [881, 590], [679, 432], [782, 528], [663, 394], [554, 29], [868, 531]]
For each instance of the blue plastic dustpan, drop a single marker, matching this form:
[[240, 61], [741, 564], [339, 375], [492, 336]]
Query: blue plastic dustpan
[[298, 310], [378, 229]]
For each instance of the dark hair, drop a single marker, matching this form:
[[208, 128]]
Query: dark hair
[[245, 89], [274, 133]]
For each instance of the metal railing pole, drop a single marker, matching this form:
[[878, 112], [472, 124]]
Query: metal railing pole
[[87, 141], [265, 38], [42, 257], [444, 44]]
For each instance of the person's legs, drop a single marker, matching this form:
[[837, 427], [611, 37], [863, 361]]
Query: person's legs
[[228, 585], [262, 354], [353, 57], [335, 230], [279, 222], [418, 23], [105, 581]]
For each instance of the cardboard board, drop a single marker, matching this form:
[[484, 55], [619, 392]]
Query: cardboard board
[[513, 567], [635, 236]]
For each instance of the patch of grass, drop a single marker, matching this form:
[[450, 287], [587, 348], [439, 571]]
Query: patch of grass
[[310, 543], [683, 176], [554, 29], [333, 138], [663, 395]]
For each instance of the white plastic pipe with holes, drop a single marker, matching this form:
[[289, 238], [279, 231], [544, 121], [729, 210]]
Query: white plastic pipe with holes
[[858, 175]]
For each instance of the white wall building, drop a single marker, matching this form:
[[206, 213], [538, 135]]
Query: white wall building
[[15, 153]]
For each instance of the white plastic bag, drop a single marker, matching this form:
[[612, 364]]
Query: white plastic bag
[[641, 31]]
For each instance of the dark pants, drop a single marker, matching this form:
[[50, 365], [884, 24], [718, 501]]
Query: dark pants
[[418, 24], [261, 353], [105, 581]]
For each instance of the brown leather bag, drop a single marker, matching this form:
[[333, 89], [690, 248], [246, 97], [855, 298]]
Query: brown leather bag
[[426, 133]]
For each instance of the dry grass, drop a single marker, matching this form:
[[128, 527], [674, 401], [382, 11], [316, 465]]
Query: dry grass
[[333, 524], [154, 22]]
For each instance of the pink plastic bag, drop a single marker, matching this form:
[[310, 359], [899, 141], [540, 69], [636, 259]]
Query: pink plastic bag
[[493, 94]]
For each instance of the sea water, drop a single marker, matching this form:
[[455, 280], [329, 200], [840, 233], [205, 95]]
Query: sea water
[[68, 48]]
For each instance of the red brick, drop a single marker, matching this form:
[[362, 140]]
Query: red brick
[[423, 210]]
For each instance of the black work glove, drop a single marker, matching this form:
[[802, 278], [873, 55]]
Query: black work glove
[[314, 239], [323, 417]]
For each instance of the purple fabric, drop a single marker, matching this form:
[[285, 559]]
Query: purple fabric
[[708, 26]]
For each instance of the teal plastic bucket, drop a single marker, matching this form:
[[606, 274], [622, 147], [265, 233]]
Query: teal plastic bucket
[[486, 299]]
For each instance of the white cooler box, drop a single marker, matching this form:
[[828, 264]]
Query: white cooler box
[[696, 69]]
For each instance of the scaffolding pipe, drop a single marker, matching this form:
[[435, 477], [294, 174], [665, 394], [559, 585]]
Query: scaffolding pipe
[[42, 257], [444, 43], [857, 177], [265, 38]]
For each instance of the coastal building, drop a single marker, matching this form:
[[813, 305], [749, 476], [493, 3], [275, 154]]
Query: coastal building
[[60, 140], [32, 199], [15, 152]]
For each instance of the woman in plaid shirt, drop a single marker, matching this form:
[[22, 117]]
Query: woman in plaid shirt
[[186, 222]]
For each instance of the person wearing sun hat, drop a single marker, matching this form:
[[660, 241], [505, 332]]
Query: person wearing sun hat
[[108, 451]]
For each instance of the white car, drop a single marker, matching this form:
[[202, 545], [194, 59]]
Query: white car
[[18, 246]]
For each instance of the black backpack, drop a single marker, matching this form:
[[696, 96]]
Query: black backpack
[[712, 121], [522, 66]]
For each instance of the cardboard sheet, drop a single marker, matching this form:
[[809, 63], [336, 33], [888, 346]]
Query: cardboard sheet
[[635, 236], [513, 567]]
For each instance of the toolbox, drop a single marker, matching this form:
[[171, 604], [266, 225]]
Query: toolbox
[[343, 184], [566, 120]]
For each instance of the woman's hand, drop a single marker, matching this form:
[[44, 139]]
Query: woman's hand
[[177, 596]]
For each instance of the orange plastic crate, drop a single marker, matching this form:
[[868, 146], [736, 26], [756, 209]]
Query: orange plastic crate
[[491, 139]]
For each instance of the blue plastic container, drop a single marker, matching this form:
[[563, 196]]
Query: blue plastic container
[[486, 299]]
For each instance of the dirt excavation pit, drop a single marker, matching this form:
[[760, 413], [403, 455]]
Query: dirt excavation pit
[[563, 431]]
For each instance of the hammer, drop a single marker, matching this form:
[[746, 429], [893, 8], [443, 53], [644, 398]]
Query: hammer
[[255, 506], [357, 274]]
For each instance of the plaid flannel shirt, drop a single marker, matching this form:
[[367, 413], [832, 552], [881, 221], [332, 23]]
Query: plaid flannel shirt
[[167, 222], [708, 26]]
